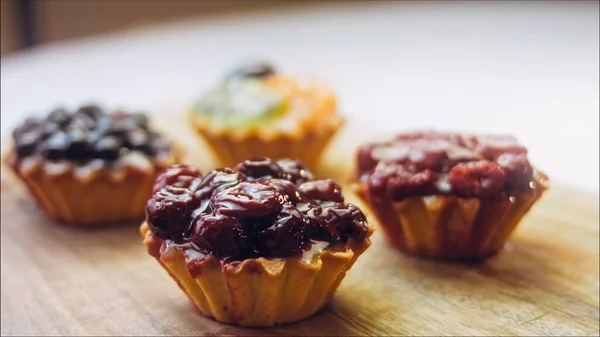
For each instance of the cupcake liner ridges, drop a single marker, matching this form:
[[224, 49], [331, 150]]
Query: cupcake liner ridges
[[449, 227], [257, 292]]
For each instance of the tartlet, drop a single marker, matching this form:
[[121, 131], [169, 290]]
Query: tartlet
[[90, 166], [448, 195], [262, 244], [255, 111]]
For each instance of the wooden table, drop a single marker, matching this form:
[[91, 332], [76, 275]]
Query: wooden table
[[59, 280]]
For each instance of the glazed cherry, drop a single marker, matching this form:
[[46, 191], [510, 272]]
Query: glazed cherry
[[253, 211], [325, 189], [258, 168], [294, 171], [322, 226], [337, 222], [169, 212], [217, 180], [353, 223], [286, 235], [178, 175], [221, 235], [287, 188], [248, 200]]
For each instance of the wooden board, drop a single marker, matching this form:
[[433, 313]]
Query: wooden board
[[59, 280]]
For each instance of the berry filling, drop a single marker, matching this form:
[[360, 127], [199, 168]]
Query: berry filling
[[263, 208], [86, 134], [432, 163]]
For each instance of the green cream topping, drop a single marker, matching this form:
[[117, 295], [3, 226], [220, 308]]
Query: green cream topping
[[241, 102]]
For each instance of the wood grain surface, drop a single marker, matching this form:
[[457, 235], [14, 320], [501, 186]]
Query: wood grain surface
[[64, 280]]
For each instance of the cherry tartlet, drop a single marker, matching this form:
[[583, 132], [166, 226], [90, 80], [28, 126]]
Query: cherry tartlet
[[89, 166], [446, 195], [264, 243]]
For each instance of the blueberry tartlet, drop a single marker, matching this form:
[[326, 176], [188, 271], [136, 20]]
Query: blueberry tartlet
[[89, 166], [255, 111], [445, 195], [262, 244]]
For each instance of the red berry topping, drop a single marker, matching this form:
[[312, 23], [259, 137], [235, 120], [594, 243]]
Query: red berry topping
[[481, 178], [517, 168], [434, 163]]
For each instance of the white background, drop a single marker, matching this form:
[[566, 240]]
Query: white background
[[530, 69]]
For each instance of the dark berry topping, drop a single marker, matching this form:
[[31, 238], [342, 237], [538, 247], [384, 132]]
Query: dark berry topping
[[108, 148], [288, 189], [259, 168], [92, 111], [178, 175], [294, 171], [325, 189], [254, 211], [86, 134], [169, 212], [217, 180], [248, 200], [256, 70], [285, 235], [59, 116], [432, 163], [337, 222], [56, 146], [79, 146], [223, 236]]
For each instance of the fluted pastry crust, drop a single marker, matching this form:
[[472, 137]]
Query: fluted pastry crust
[[258, 292], [450, 227]]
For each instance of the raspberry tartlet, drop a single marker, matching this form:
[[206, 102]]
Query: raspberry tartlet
[[255, 111], [90, 166], [262, 244], [446, 195]]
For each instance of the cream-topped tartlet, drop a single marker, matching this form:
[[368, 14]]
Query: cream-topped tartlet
[[89, 166]]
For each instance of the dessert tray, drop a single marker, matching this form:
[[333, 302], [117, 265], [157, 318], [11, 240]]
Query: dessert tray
[[66, 280]]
